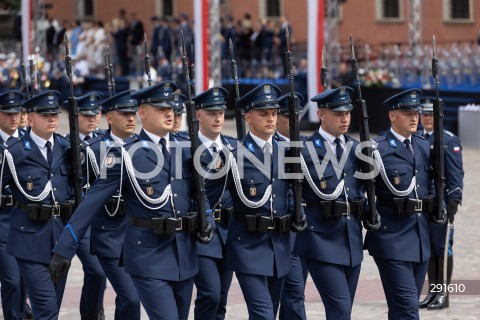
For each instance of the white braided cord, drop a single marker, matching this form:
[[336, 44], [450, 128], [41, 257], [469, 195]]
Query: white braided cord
[[383, 173], [328, 197]]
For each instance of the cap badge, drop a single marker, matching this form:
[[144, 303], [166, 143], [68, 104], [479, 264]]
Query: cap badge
[[215, 92], [414, 94], [51, 96], [267, 88]]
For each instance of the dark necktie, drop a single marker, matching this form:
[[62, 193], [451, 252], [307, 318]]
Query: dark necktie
[[427, 135], [10, 138], [86, 138], [48, 145], [165, 152], [408, 146], [338, 148]]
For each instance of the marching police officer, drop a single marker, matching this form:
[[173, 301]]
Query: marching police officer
[[152, 172], [453, 197], [36, 170], [213, 279], [178, 111], [94, 279], [13, 290], [404, 190], [258, 244], [108, 226], [293, 296], [332, 244]]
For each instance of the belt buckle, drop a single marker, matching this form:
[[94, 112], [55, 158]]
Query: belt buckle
[[418, 205], [181, 225], [272, 226], [9, 200], [217, 214], [55, 210], [347, 212]]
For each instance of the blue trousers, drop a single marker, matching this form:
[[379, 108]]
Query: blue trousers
[[293, 295], [165, 300], [261, 294], [94, 280], [402, 282], [127, 302], [12, 287], [212, 282], [45, 297], [337, 285]]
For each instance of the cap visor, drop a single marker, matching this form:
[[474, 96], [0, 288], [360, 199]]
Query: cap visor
[[90, 112], [346, 107], [11, 110]]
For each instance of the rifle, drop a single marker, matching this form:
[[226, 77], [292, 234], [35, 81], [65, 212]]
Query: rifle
[[198, 183], [438, 151], [38, 75], [108, 71], [31, 71], [239, 119], [299, 223], [323, 71], [76, 172], [192, 70], [24, 80], [372, 221], [146, 60]]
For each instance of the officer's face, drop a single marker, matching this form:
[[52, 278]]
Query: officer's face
[[86, 124], [404, 122], [44, 125], [97, 119], [9, 122], [177, 122], [211, 122], [23, 119], [427, 121], [156, 120], [262, 122], [122, 124], [334, 122], [283, 125]]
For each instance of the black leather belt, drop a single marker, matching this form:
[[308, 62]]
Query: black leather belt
[[407, 206], [336, 209], [7, 201], [260, 223], [166, 225], [112, 206], [224, 215], [43, 212]]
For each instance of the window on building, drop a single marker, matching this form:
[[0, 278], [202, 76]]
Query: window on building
[[168, 8], [273, 8], [389, 10], [88, 8], [459, 9]]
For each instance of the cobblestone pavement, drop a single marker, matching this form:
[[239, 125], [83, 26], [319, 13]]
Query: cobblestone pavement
[[370, 300]]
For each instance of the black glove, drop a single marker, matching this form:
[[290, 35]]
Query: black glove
[[58, 268], [369, 225], [207, 234], [298, 226], [452, 208], [436, 220]]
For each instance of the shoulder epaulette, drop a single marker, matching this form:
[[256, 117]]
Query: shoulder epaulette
[[92, 141], [130, 140], [11, 142], [418, 135], [379, 138], [181, 134], [449, 133], [61, 139], [351, 138]]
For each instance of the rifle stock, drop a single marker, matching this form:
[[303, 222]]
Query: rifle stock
[[76, 166]]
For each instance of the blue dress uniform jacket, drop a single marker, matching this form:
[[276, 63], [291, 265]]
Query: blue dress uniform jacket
[[27, 239], [331, 240], [214, 189], [107, 232], [170, 258], [403, 238], [258, 253]]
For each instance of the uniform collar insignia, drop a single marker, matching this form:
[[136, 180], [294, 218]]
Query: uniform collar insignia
[[250, 147], [318, 143], [27, 145], [392, 142]]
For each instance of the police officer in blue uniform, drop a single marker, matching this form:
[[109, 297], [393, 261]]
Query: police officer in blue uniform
[[178, 104], [94, 279], [12, 288], [293, 296], [453, 197], [258, 243], [109, 225], [37, 171], [332, 245], [213, 279], [152, 172], [404, 190]]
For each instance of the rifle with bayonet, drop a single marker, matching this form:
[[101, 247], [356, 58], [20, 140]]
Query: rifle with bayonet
[[438, 151], [192, 77], [76, 166], [31, 71], [239, 119], [146, 60], [205, 232], [323, 72], [371, 221], [108, 71], [299, 222], [24, 80]]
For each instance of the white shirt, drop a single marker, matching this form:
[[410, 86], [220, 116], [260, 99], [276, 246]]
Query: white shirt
[[402, 138], [82, 136], [208, 142], [40, 142], [331, 139], [260, 142], [156, 139], [116, 139], [5, 135]]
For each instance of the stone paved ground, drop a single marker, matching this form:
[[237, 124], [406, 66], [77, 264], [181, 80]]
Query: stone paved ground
[[370, 301]]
